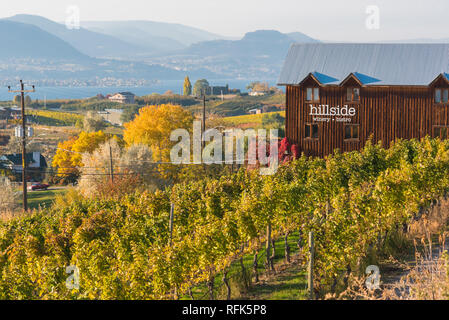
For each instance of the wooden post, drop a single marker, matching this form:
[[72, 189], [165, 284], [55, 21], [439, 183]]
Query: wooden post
[[24, 136], [226, 283], [203, 143], [210, 286], [310, 266], [172, 209], [268, 246], [287, 248], [256, 274]]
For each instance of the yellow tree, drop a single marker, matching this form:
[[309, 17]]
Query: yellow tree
[[153, 126], [187, 87], [68, 157]]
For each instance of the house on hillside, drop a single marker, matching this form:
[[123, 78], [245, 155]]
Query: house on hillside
[[220, 90], [256, 93], [255, 111], [123, 97], [338, 95], [36, 165]]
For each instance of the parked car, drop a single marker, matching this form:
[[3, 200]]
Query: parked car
[[39, 186]]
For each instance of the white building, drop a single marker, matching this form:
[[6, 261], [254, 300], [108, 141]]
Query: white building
[[123, 97]]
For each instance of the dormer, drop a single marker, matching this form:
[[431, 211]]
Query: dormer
[[312, 84], [353, 83], [440, 88]]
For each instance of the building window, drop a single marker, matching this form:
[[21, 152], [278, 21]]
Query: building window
[[312, 94], [353, 94], [441, 95], [311, 131], [440, 132], [351, 132]]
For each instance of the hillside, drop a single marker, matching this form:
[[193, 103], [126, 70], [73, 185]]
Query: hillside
[[151, 34], [258, 54], [88, 42], [27, 41], [263, 44], [35, 54]]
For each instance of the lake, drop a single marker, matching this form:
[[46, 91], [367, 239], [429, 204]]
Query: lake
[[51, 93]]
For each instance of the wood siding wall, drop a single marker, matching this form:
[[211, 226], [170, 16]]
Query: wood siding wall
[[386, 113]]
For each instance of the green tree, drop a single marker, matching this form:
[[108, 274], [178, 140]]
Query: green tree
[[187, 89], [28, 101], [252, 85], [16, 100], [93, 122], [129, 113], [200, 87]]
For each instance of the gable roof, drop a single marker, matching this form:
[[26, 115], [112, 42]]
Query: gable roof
[[391, 64]]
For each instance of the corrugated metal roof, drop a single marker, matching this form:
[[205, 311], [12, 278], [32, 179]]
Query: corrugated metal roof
[[392, 64]]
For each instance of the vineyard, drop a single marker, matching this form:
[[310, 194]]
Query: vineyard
[[252, 118], [354, 202], [54, 118]]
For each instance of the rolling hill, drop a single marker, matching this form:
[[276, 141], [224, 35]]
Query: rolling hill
[[88, 42], [258, 54], [257, 44], [21, 40], [163, 36], [30, 52]]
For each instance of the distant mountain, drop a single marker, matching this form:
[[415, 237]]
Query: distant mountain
[[30, 52], [259, 44], [163, 36], [258, 54], [21, 40], [42, 49], [88, 42]]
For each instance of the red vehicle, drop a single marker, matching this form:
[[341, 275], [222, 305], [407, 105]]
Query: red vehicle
[[38, 186]]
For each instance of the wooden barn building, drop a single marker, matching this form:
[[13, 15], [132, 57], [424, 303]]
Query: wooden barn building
[[338, 95]]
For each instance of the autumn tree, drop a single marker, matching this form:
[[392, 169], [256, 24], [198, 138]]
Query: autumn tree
[[133, 169], [187, 88], [200, 87], [153, 126], [93, 122], [8, 197], [68, 157]]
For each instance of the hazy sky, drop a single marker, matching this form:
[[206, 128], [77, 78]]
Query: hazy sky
[[337, 20]]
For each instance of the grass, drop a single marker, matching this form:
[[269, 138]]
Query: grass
[[290, 283], [44, 198]]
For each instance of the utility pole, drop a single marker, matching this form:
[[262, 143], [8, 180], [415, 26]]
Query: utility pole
[[203, 143], [111, 164], [24, 134]]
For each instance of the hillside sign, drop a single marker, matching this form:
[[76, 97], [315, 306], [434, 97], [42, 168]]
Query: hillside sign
[[326, 113]]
